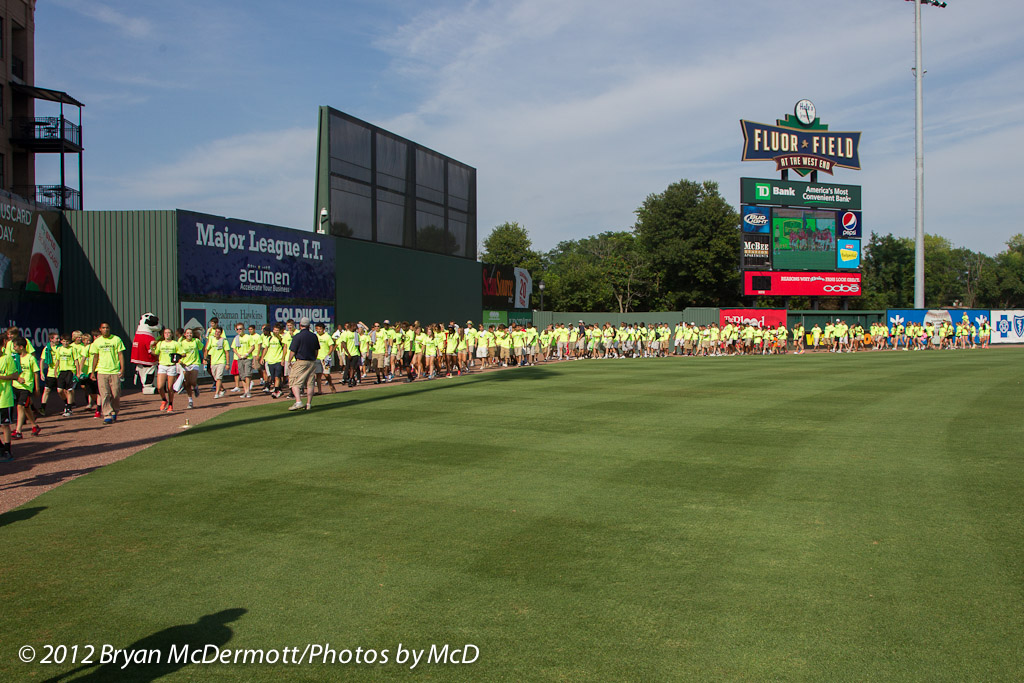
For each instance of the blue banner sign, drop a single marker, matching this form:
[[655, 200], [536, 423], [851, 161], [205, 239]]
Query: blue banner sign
[[806, 150], [226, 258]]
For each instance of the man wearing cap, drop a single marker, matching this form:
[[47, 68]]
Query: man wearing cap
[[302, 352]]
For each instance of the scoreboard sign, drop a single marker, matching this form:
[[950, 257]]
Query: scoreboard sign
[[783, 283], [811, 195], [800, 142]]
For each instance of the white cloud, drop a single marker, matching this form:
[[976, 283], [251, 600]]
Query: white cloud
[[265, 177], [134, 27], [573, 118]]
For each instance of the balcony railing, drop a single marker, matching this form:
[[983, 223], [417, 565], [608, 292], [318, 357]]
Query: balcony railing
[[48, 132], [53, 196]]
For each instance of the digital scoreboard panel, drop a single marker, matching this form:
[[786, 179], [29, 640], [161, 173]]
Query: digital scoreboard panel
[[804, 231]]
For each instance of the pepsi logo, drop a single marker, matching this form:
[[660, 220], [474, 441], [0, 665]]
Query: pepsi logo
[[850, 220]]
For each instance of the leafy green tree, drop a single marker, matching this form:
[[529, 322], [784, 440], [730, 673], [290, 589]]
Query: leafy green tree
[[692, 237], [509, 244], [888, 267], [1008, 289]]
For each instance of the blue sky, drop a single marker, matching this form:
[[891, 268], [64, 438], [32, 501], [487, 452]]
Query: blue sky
[[571, 111]]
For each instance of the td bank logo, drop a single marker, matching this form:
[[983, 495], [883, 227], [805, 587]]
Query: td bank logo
[[762, 190]]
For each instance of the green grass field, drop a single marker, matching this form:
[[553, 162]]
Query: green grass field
[[799, 518]]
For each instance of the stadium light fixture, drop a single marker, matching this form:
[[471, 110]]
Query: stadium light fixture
[[323, 219], [541, 287], [919, 154]]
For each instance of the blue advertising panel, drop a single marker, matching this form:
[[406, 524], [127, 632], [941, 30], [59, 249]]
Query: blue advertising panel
[[36, 317], [226, 258], [316, 314], [848, 254], [757, 219], [920, 316], [849, 224]]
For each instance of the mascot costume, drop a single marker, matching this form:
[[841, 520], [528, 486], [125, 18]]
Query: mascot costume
[[145, 362]]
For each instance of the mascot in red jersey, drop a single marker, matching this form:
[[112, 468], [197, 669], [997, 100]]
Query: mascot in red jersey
[[145, 362]]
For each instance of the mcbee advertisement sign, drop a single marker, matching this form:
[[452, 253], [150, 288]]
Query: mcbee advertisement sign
[[226, 258]]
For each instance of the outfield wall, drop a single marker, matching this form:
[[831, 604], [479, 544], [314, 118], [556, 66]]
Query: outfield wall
[[117, 265], [699, 316], [377, 281]]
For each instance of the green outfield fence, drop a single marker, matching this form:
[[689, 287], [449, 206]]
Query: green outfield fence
[[700, 316]]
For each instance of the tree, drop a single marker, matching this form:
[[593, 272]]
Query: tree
[[1008, 275], [692, 237], [509, 245], [888, 267]]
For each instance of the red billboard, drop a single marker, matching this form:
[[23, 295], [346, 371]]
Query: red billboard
[[761, 317], [800, 283]]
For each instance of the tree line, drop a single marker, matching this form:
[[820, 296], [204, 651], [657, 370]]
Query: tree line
[[684, 250]]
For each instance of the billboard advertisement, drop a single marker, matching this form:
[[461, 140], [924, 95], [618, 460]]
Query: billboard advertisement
[[29, 247], [919, 316], [848, 253], [757, 219], [524, 287], [35, 316], [788, 193], [803, 239], [505, 287], [198, 314], [780, 283], [817, 149], [494, 318], [849, 224], [756, 251], [759, 317], [229, 259], [1008, 327], [316, 314]]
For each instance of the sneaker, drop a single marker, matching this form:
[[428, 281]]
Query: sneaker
[[42, 411], [247, 395], [113, 416], [15, 435], [219, 395], [236, 390], [98, 414], [309, 406], [296, 406], [36, 430], [190, 403], [163, 406], [5, 456], [170, 409], [107, 421]]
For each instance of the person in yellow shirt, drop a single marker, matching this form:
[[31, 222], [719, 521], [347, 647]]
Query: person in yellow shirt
[[68, 365], [168, 352], [25, 387], [10, 370], [108, 370]]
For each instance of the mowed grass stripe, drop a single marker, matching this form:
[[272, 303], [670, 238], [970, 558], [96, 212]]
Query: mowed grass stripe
[[847, 517]]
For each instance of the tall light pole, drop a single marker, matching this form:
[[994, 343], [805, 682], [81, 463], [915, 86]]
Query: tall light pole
[[919, 155]]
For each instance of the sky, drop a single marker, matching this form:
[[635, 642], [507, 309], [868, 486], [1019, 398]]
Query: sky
[[572, 112]]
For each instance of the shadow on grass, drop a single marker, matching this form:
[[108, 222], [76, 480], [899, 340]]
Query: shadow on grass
[[19, 515], [48, 478], [24, 462], [211, 629], [384, 394]]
